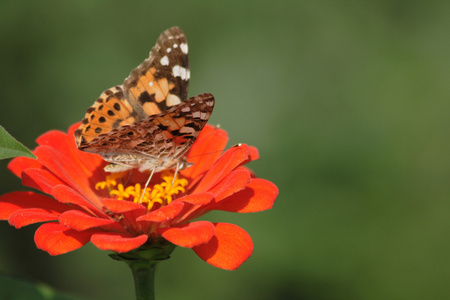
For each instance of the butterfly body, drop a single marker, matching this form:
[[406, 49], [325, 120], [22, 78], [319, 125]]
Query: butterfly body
[[147, 123]]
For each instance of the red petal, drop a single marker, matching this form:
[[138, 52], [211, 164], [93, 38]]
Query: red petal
[[66, 194], [40, 179], [81, 221], [199, 204], [122, 206], [164, 213], [65, 167], [259, 195], [231, 159], [29, 216], [205, 151], [65, 144], [228, 249], [234, 182], [57, 239], [119, 242], [12, 202], [19, 164], [253, 153], [129, 210], [189, 235], [197, 199], [53, 138]]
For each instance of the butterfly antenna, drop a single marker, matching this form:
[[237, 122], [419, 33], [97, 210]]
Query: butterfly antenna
[[146, 185], [208, 153]]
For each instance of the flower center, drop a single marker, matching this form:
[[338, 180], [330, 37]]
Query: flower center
[[160, 194]]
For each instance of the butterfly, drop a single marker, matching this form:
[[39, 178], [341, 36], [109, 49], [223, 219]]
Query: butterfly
[[147, 123]]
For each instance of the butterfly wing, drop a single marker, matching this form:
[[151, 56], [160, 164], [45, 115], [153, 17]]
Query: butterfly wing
[[162, 80], [159, 83], [167, 134], [110, 111]]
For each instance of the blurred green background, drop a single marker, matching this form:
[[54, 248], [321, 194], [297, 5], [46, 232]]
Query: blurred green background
[[347, 101]]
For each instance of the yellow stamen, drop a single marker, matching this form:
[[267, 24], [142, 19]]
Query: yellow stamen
[[110, 181], [162, 193], [122, 192]]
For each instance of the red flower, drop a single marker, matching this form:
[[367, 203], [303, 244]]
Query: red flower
[[86, 204]]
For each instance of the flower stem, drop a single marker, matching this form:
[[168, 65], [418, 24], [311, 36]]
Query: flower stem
[[144, 278], [142, 262]]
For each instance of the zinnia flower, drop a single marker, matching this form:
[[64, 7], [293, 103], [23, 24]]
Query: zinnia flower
[[111, 210]]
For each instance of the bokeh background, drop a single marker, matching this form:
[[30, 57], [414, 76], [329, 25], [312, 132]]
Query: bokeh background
[[347, 101]]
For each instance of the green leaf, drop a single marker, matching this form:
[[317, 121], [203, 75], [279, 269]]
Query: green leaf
[[10, 147]]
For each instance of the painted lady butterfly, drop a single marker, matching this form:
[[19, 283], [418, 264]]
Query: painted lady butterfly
[[147, 123]]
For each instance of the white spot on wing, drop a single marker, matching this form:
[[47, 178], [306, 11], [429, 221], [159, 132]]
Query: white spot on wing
[[179, 71], [184, 48], [168, 50], [150, 83], [172, 100], [175, 45], [165, 61]]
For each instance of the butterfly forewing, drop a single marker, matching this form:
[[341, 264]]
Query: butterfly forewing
[[162, 80]]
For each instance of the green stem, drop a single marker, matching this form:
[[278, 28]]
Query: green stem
[[142, 262], [144, 278]]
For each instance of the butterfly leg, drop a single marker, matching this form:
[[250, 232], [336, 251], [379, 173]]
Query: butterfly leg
[[176, 172], [146, 184], [181, 165]]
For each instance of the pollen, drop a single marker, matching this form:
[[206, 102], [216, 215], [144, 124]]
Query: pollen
[[159, 195]]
